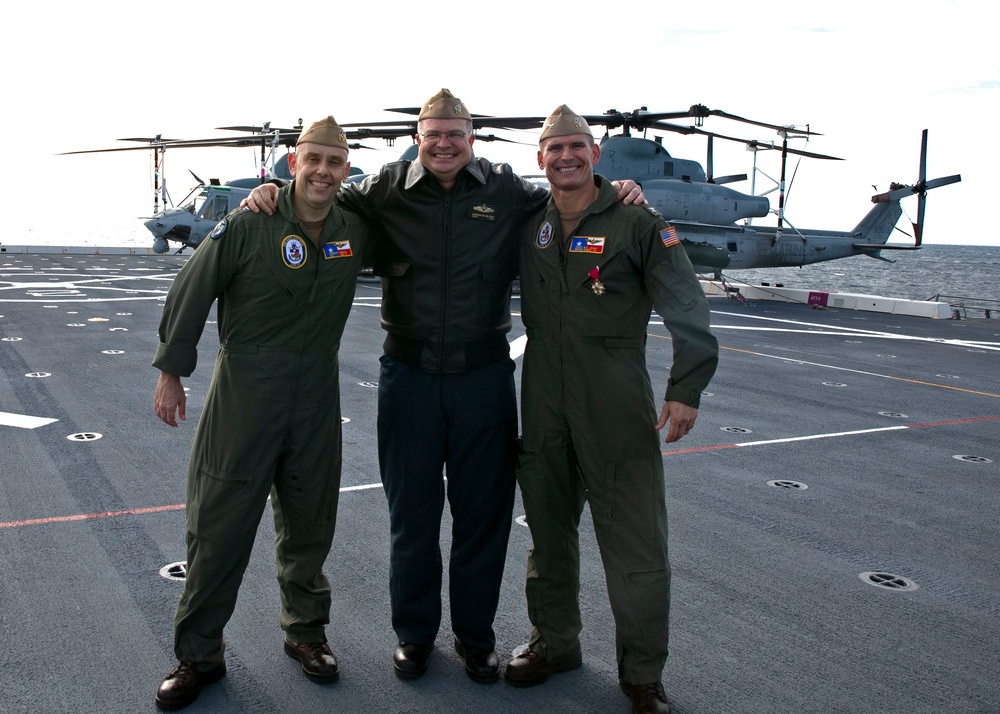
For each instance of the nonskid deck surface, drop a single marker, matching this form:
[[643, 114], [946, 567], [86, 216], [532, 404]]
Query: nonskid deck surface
[[833, 519]]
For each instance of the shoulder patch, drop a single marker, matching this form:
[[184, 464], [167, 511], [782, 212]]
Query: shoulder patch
[[219, 230], [669, 236], [544, 238], [293, 252]]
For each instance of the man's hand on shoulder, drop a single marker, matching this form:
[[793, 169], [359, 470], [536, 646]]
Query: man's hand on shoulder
[[262, 198], [629, 192]]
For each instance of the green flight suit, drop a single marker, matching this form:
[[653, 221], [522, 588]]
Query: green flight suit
[[589, 417], [271, 421]]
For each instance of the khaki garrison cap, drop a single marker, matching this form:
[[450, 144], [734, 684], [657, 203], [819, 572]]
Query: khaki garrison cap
[[325, 132], [444, 105], [564, 122]]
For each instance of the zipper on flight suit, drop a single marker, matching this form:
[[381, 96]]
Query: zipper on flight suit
[[316, 260]]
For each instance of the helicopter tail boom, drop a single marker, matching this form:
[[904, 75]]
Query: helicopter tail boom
[[876, 227]]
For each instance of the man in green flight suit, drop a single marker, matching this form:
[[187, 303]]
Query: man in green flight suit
[[591, 271], [271, 422]]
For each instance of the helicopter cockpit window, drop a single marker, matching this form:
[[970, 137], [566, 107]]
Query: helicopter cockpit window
[[216, 209]]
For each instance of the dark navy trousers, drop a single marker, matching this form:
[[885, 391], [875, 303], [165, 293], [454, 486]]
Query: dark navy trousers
[[463, 427]]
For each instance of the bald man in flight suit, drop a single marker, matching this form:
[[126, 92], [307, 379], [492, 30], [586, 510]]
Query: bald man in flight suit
[[271, 423]]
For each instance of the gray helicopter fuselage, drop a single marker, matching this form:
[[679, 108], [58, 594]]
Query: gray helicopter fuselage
[[677, 188]]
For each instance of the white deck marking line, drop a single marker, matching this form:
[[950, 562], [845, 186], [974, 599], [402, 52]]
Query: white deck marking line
[[811, 437], [517, 346], [840, 331], [858, 371], [23, 421], [365, 487]]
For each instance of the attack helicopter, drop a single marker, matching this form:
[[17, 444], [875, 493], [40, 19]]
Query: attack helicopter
[[190, 222], [706, 213], [714, 221]]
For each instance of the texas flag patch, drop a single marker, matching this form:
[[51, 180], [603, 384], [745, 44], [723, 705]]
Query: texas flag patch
[[669, 236], [337, 249], [586, 244]]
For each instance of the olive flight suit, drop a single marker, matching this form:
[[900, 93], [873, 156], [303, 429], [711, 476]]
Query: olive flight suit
[[589, 417], [271, 421]]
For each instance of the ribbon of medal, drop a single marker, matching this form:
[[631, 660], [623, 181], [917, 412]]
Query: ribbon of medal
[[595, 281]]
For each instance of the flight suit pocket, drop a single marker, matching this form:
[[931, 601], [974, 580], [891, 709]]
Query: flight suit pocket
[[205, 471], [669, 287], [262, 269], [632, 494], [220, 504]]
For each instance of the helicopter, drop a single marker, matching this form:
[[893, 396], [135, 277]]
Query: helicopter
[[190, 222], [714, 222], [705, 212], [208, 202]]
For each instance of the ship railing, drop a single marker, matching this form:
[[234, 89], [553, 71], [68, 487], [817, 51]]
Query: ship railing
[[961, 306]]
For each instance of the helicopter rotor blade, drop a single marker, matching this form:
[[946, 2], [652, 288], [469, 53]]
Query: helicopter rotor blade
[[776, 127], [733, 178], [943, 181], [491, 137], [918, 227], [752, 143], [898, 191]]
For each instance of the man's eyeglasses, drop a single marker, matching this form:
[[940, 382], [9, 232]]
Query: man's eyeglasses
[[454, 136]]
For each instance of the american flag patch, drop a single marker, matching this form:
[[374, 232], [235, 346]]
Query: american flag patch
[[669, 236]]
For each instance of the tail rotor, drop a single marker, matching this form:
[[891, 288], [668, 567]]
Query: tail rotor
[[899, 191]]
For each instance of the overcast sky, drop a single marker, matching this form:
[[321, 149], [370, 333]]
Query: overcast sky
[[869, 76]]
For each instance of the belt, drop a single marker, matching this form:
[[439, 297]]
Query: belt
[[622, 343], [267, 349], [478, 353]]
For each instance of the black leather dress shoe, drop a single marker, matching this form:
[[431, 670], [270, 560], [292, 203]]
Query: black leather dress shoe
[[183, 684], [318, 662], [410, 660], [647, 698], [481, 665], [529, 669]]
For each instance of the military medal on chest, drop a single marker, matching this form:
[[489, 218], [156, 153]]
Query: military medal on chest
[[595, 281]]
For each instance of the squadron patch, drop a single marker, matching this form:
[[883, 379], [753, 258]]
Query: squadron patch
[[586, 244], [544, 237], [219, 230], [293, 252], [669, 236], [337, 249]]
